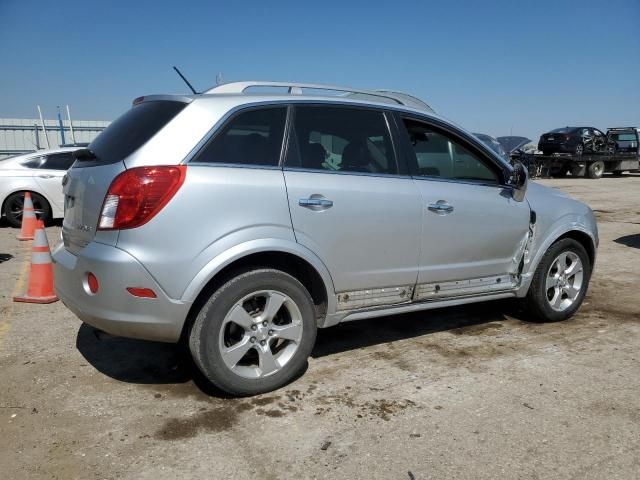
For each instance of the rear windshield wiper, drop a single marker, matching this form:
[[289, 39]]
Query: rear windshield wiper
[[84, 154]]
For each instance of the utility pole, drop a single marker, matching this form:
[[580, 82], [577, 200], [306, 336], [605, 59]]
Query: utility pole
[[73, 135], [44, 130]]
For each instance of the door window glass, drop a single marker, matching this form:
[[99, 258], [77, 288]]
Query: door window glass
[[253, 137], [342, 140], [436, 155], [58, 161]]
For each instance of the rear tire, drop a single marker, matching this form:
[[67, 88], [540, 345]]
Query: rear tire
[[559, 283], [13, 208], [595, 170], [255, 332]]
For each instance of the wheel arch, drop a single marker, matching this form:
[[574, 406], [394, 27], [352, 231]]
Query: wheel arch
[[576, 230], [292, 259]]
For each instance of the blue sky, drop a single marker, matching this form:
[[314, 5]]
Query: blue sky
[[492, 66]]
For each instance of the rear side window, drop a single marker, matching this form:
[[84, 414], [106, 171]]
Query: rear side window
[[58, 161], [341, 140], [34, 162], [132, 130], [252, 137]]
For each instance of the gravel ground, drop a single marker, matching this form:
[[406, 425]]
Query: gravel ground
[[461, 393]]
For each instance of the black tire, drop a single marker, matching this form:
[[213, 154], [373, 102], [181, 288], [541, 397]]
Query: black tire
[[560, 172], [617, 173], [204, 338], [577, 171], [536, 303], [595, 170], [13, 208]]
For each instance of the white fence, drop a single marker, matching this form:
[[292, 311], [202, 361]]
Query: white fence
[[20, 135]]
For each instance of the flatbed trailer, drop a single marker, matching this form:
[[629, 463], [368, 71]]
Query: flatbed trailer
[[591, 165]]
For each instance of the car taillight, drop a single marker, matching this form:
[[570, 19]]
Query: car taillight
[[137, 195]]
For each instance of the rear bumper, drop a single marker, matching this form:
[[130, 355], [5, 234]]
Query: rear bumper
[[112, 308]]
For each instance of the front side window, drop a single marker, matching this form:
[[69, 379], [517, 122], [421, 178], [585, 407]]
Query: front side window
[[434, 154], [252, 137], [58, 161], [341, 140]]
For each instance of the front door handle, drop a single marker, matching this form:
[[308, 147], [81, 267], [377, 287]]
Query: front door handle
[[315, 203], [44, 175], [441, 207]]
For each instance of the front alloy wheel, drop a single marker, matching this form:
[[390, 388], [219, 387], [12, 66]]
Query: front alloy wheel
[[564, 281], [559, 283]]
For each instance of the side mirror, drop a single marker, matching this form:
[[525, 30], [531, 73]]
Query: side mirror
[[518, 181]]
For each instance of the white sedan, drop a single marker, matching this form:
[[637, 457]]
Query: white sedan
[[39, 173]]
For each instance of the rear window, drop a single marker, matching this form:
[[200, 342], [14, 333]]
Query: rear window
[[132, 130], [562, 130]]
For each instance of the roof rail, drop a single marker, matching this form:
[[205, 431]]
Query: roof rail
[[384, 96]]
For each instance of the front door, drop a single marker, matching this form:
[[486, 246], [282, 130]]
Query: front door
[[473, 231]]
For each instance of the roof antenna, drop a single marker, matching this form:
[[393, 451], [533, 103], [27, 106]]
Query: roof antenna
[[185, 80], [219, 79]]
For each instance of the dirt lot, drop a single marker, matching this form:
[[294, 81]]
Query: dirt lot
[[459, 393]]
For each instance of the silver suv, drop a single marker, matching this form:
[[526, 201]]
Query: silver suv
[[241, 220]]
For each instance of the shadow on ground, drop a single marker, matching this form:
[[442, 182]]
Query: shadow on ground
[[153, 363], [4, 257], [632, 240]]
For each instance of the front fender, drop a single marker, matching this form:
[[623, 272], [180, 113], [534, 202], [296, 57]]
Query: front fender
[[543, 238], [230, 255]]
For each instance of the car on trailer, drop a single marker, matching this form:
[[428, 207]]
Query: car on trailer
[[573, 140]]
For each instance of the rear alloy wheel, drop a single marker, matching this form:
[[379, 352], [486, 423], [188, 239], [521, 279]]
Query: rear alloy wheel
[[579, 149], [560, 282], [595, 170], [15, 203], [255, 333]]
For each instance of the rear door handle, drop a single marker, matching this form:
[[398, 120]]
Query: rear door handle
[[315, 203], [441, 207], [44, 175]]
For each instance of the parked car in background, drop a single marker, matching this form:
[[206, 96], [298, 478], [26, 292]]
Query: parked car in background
[[507, 147], [575, 140], [240, 223], [493, 144], [39, 173]]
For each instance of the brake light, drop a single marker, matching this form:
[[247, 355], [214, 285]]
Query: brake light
[[138, 194]]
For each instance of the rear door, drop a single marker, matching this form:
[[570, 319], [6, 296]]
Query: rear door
[[86, 184], [350, 203], [50, 173], [473, 231]]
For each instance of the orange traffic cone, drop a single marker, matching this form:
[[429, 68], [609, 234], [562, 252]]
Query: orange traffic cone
[[40, 286], [29, 219]]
